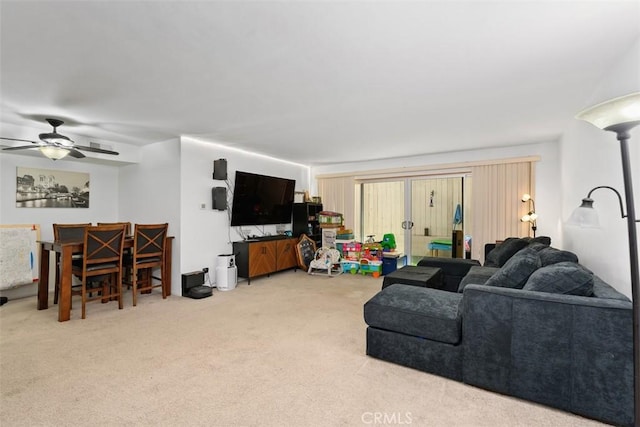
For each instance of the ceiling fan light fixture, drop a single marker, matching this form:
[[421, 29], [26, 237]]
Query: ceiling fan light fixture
[[56, 146], [54, 153], [56, 138]]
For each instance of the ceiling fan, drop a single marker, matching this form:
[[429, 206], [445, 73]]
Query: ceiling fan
[[56, 146]]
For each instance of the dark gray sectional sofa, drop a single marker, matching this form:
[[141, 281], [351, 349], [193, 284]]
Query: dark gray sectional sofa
[[537, 325]]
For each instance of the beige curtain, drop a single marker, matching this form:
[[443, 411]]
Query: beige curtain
[[338, 195], [496, 203]]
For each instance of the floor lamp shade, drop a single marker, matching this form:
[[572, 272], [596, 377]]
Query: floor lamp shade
[[617, 111], [585, 215]]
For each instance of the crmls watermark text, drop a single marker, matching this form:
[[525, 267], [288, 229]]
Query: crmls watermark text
[[387, 418]]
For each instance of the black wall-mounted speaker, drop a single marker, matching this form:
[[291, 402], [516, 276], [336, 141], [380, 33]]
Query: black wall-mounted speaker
[[220, 169], [219, 197]]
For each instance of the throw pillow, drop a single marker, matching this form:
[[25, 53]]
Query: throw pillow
[[537, 246], [545, 240], [505, 250], [551, 255], [562, 278], [516, 270]]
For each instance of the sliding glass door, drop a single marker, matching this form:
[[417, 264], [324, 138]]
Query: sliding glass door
[[421, 212], [437, 208], [383, 211]]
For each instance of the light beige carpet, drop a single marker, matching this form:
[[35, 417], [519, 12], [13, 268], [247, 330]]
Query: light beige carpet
[[288, 350]]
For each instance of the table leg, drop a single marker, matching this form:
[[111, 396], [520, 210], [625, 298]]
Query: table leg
[[166, 270], [64, 303], [43, 280]]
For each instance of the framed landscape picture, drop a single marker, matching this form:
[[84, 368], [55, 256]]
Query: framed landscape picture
[[47, 188]]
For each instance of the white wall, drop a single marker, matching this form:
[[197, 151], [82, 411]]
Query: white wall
[[591, 157], [170, 182], [205, 233], [103, 204], [547, 175], [149, 193]]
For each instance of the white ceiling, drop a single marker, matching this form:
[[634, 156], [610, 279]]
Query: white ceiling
[[311, 82]]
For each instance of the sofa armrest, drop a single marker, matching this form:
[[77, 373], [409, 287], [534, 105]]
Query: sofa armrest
[[488, 247], [453, 269], [571, 352]]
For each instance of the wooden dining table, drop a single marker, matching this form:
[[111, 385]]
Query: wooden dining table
[[66, 251]]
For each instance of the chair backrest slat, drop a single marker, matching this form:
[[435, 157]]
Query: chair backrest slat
[[69, 232]]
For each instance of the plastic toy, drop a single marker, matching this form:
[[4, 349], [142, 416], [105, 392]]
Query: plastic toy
[[351, 251], [372, 251], [371, 259], [350, 266], [326, 260], [388, 242], [371, 266]]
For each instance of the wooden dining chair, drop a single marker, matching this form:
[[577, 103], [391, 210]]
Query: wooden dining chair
[[126, 224], [127, 252], [102, 260], [67, 233], [148, 253]]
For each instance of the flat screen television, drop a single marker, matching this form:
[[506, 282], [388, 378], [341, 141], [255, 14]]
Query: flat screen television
[[261, 199]]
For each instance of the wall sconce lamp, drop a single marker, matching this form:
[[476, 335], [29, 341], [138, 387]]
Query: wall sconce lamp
[[620, 115], [531, 216]]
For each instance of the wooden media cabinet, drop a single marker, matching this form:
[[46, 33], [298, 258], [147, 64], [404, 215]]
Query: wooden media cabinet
[[260, 257]]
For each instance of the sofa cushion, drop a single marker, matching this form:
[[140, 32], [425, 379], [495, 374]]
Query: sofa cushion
[[453, 269], [477, 276], [544, 240], [551, 255], [422, 312], [562, 278], [604, 290], [427, 277], [517, 269], [505, 250]]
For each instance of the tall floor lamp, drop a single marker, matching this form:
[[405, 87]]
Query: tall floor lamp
[[530, 216], [620, 115]]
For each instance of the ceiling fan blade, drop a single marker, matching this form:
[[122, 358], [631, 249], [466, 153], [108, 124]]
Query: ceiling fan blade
[[54, 139], [95, 150], [19, 140], [75, 153], [22, 147]]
